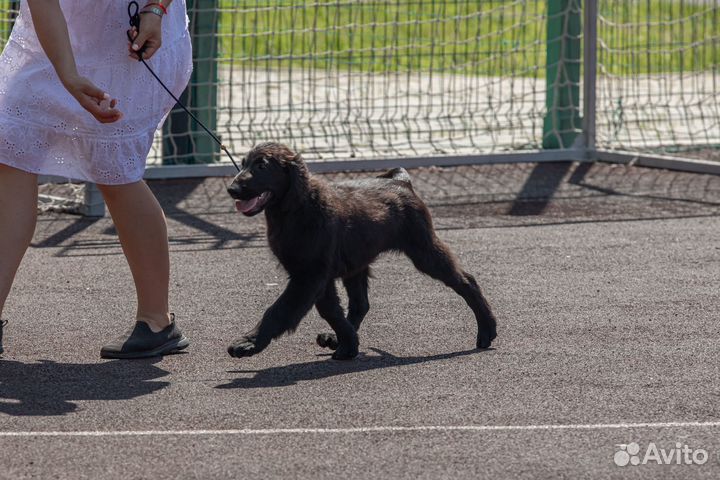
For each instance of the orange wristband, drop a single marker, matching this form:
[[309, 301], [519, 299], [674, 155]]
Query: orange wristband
[[162, 7]]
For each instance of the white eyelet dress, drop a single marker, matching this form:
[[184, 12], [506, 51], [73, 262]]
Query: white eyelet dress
[[44, 130]]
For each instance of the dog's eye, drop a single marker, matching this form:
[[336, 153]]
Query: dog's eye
[[261, 165]]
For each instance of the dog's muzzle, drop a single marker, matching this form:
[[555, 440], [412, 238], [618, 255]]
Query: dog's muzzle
[[254, 205]]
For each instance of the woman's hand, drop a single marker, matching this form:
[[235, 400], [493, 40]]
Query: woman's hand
[[52, 32], [149, 38], [93, 99]]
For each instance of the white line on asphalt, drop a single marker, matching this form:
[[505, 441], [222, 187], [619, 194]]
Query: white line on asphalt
[[378, 429]]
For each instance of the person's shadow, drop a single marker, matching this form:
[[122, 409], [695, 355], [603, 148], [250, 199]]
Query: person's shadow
[[49, 388], [287, 375]]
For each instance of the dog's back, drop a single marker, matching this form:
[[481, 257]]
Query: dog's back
[[390, 190], [399, 174], [385, 198]]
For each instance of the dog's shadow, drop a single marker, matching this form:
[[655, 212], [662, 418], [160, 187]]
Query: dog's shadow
[[50, 388], [287, 375]]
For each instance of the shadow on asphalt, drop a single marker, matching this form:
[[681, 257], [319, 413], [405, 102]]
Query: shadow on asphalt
[[65, 234], [49, 388], [297, 372], [170, 198], [541, 185], [208, 236], [486, 196]]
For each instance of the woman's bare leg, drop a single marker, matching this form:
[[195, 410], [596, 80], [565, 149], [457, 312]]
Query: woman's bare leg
[[141, 226], [18, 216]]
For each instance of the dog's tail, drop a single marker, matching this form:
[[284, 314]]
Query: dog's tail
[[399, 174]]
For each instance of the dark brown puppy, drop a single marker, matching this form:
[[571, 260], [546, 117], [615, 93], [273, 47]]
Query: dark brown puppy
[[321, 232]]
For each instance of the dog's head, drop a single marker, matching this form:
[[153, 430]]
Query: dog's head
[[270, 173]]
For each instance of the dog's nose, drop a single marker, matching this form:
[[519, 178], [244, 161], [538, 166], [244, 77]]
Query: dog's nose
[[234, 190]]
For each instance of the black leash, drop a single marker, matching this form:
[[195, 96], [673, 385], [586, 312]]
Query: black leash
[[134, 13]]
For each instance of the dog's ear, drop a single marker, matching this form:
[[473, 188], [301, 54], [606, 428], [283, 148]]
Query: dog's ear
[[299, 176]]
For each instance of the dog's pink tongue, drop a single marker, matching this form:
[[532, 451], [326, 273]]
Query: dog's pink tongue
[[244, 206]]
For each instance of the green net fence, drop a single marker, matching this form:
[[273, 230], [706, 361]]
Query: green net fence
[[8, 12], [365, 79], [658, 79]]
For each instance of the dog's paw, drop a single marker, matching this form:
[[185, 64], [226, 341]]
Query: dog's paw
[[243, 347], [484, 340], [327, 340], [345, 352]]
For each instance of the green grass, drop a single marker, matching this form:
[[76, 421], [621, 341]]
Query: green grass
[[461, 36], [659, 36], [466, 37]]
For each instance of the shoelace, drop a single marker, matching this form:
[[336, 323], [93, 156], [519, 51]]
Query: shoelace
[[134, 13]]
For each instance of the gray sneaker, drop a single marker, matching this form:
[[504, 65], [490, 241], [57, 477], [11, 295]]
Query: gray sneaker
[[141, 342]]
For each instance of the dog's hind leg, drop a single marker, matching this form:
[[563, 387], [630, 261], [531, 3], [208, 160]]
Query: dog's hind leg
[[358, 306], [328, 306], [435, 259]]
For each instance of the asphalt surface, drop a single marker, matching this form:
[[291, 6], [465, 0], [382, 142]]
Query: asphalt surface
[[604, 280]]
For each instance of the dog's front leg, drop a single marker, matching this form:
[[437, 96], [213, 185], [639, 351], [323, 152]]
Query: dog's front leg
[[283, 316]]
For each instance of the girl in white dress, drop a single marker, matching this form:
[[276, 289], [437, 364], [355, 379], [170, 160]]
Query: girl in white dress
[[75, 102]]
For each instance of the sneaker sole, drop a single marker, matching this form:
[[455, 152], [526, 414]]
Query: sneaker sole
[[173, 346]]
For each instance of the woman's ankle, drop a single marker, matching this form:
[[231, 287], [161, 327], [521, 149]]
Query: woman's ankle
[[156, 321]]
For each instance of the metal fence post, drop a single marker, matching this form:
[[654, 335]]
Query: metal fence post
[[93, 203], [562, 97], [183, 139], [590, 67]]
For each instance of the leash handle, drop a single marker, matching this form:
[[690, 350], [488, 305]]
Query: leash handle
[[134, 14]]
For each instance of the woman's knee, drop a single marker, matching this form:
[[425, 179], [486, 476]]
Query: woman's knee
[[18, 188], [17, 176]]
